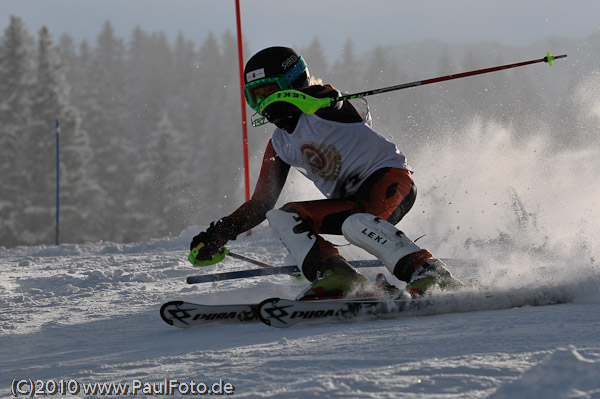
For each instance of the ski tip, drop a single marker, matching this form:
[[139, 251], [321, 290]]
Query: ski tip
[[163, 310]]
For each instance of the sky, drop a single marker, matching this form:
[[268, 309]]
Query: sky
[[296, 23]]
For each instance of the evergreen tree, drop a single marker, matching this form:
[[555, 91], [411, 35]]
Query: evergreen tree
[[231, 126], [68, 57], [179, 105], [15, 83], [314, 55], [150, 77], [345, 70], [160, 201], [50, 102], [79, 75], [216, 142], [206, 116], [149, 70], [184, 60], [105, 115]]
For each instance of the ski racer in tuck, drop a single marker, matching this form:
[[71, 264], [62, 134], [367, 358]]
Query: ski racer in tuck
[[367, 183]]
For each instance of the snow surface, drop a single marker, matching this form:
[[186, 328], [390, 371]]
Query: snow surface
[[90, 312]]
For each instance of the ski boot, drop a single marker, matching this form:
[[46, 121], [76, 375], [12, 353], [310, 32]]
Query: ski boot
[[336, 279], [342, 280], [320, 261], [383, 286], [403, 258], [430, 276]]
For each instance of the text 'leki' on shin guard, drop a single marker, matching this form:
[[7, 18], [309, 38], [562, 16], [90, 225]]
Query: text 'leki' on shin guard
[[378, 237], [298, 243]]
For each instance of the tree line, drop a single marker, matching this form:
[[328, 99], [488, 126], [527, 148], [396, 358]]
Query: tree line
[[151, 134]]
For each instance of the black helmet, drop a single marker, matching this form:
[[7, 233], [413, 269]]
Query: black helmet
[[271, 70]]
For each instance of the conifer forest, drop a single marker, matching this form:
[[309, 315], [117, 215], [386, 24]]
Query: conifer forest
[[150, 128]]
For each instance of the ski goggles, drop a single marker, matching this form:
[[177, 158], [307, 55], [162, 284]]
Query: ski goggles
[[255, 92]]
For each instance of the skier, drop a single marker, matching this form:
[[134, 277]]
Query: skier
[[367, 183]]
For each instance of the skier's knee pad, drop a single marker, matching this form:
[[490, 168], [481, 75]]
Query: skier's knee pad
[[378, 237], [298, 243]]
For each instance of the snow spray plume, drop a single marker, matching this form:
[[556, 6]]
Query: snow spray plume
[[526, 208]]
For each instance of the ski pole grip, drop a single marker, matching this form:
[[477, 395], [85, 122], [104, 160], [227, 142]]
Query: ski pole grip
[[219, 256]]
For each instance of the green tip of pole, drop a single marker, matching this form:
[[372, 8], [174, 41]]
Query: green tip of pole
[[549, 58]]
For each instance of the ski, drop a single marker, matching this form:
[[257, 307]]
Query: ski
[[282, 313], [279, 312], [186, 314]]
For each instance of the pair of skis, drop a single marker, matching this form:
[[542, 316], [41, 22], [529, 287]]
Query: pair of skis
[[279, 312], [282, 313], [270, 311]]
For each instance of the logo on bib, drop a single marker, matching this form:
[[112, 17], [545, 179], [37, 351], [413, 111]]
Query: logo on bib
[[323, 160]]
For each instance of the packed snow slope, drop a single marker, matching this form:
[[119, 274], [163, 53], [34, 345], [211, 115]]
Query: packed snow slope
[[90, 313], [513, 213]]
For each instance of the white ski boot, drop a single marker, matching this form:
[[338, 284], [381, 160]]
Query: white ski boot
[[403, 258], [333, 277]]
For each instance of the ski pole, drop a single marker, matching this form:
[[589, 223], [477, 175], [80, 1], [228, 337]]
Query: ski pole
[[219, 256], [310, 105], [298, 276], [267, 271], [224, 251], [249, 260], [236, 274]]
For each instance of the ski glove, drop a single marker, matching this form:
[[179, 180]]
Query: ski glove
[[210, 241]]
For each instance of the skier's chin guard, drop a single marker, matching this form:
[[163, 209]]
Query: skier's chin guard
[[283, 115]]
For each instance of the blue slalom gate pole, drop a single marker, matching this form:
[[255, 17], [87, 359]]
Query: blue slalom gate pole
[[57, 178]]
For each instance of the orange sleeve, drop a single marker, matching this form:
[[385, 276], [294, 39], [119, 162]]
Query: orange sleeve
[[272, 177]]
